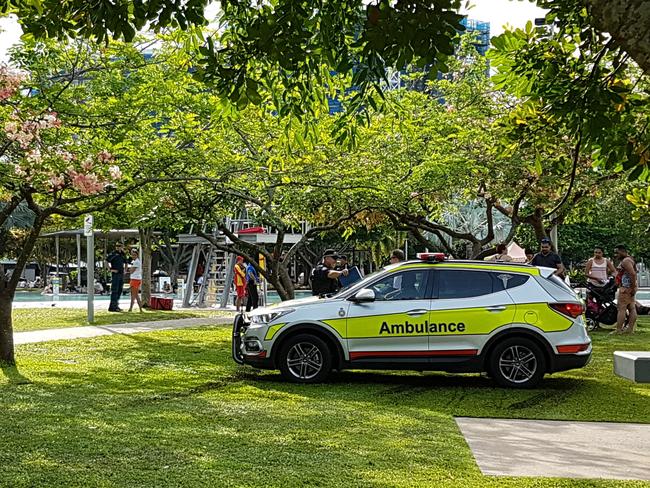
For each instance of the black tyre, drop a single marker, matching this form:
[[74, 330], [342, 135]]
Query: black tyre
[[517, 363], [592, 325], [305, 358]]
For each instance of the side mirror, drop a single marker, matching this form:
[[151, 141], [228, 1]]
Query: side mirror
[[364, 295]]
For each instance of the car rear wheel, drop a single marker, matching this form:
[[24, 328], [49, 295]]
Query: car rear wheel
[[305, 358], [517, 363]]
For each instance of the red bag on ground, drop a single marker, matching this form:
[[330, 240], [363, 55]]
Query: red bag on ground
[[161, 303]]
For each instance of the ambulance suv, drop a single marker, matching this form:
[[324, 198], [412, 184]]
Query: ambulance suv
[[514, 322]]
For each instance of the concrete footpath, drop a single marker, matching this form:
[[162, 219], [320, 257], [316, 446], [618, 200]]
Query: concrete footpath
[[34, 336], [559, 449]]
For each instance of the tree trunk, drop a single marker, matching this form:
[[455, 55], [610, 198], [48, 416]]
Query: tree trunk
[[8, 284], [287, 284], [476, 249], [628, 22], [145, 249], [536, 221], [6, 329]]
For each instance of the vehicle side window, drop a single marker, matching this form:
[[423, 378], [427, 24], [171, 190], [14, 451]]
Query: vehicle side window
[[463, 283], [507, 281], [405, 285]]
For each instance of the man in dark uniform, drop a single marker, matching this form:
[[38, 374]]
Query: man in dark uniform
[[547, 258], [117, 263], [324, 278]]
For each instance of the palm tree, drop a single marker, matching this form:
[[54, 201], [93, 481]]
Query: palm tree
[[470, 218]]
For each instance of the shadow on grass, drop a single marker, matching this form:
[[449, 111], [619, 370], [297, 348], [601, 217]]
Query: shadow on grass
[[13, 375]]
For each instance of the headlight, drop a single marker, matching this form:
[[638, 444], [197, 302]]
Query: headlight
[[266, 318]]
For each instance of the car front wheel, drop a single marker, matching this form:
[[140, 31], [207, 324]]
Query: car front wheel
[[305, 358], [517, 363]]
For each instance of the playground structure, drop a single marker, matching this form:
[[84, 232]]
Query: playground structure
[[212, 269]]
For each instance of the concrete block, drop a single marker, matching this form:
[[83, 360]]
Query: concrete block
[[633, 365]]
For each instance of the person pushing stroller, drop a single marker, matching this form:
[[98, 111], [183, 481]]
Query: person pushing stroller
[[599, 269]]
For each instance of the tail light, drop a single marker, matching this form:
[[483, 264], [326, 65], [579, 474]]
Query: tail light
[[573, 310]]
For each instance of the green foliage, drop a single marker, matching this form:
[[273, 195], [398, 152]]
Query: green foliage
[[282, 52], [575, 78]]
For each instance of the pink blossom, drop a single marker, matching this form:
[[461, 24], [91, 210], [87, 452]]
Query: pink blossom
[[11, 127], [86, 184], [87, 165], [65, 155], [10, 81], [49, 120], [34, 156], [19, 171], [104, 156], [115, 172], [56, 182]]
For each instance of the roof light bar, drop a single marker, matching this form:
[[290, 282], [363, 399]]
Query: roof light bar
[[435, 257]]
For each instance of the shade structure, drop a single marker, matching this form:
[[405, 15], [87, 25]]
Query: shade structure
[[517, 253]]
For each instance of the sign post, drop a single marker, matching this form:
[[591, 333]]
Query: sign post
[[262, 263], [90, 266]]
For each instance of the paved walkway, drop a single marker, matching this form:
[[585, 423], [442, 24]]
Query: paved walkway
[[558, 449], [33, 336]]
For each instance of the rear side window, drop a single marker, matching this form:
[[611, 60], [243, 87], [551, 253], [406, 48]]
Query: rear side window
[[463, 283], [507, 281]]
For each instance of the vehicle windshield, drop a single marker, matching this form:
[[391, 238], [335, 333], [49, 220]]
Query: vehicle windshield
[[358, 284]]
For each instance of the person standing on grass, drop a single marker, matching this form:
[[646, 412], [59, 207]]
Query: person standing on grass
[[324, 278], [252, 279], [135, 268], [117, 263], [548, 259], [599, 268], [627, 286], [240, 282]]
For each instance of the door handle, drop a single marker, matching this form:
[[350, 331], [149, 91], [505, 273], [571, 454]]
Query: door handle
[[496, 308], [416, 312]]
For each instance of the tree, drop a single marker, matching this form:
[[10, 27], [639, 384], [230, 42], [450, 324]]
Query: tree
[[295, 44], [288, 47], [76, 121], [44, 171], [626, 21], [250, 165], [571, 75], [465, 145]]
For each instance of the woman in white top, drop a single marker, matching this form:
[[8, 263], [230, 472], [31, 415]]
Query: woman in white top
[[599, 268], [135, 268]]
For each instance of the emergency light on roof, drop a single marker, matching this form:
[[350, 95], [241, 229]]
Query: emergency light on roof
[[431, 256]]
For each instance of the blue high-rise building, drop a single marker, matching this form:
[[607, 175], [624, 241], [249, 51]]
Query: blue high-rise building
[[481, 31]]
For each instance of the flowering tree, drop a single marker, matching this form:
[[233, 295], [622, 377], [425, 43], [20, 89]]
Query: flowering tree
[[49, 172], [81, 127]]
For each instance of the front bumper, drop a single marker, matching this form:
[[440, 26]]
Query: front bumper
[[248, 350]]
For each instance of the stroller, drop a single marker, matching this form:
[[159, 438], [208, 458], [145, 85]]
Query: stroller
[[601, 305]]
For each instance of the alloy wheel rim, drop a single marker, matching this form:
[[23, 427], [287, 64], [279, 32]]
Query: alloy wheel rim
[[518, 364], [305, 360]]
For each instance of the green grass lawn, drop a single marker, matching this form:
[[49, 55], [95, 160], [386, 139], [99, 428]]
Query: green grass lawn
[[170, 409], [54, 318]]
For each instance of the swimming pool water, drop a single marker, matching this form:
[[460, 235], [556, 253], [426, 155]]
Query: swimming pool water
[[34, 296]]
